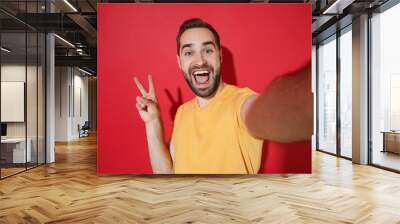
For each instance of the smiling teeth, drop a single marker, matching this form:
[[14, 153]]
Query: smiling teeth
[[200, 72]]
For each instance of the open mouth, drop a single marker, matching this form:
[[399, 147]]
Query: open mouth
[[201, 77]]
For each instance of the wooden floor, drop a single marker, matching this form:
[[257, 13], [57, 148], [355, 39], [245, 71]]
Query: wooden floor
[[5, 172], [70, 191]]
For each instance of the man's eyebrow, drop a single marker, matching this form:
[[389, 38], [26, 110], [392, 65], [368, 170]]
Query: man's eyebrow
[[204, 44], [186, 45], [209, 42]]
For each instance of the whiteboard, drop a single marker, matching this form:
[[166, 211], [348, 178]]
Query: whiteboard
[[12, 101]]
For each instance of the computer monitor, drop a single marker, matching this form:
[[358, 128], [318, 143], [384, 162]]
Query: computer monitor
[[3, 129]]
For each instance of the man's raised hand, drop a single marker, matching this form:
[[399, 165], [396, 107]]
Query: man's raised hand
[[146, 104]]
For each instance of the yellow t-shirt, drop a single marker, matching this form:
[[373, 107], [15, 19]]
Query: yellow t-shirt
[[214, 139]]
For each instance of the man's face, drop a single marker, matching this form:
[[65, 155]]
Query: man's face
[[200, 61]]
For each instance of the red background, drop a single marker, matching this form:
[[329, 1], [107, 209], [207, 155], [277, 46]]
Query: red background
[[260, 42]]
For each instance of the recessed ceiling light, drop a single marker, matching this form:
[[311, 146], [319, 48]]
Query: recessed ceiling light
[[84, 71], [5, 50], [64, 40], [338, 6], [70, 5]]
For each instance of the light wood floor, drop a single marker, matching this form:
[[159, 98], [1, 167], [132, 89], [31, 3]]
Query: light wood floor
[[10, 171], [70, 191]]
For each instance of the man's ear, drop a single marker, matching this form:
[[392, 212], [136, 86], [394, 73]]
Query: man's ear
[[179, 61]]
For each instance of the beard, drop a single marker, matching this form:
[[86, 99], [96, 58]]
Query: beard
[[208, 91]]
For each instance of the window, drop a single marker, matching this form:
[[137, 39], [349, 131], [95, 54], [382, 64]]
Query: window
[[346, 92], [327, 95], [385, 88]]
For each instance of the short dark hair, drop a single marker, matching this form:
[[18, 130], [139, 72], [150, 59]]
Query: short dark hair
[[195, 23]]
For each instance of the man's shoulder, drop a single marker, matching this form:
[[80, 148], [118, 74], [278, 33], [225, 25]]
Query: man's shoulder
[[186, 105], [237, 91]]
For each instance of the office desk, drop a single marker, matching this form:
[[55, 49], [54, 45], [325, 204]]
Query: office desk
[[13, 150], [391, 141]]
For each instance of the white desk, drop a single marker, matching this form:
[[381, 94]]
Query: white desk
[[18, 149]]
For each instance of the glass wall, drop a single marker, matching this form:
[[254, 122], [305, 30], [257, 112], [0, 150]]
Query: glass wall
[[335, 74], [345, 58], [385, 88], [13, 90], [326, 54], [31, 100], [22, 90]]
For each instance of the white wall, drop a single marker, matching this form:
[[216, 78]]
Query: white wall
[[14, 73], [62, 78], [70, 94], [79, 117], [33, 126], [17, 73]]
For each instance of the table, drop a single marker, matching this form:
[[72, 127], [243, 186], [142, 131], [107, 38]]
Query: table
[[391, 141], [15, 148]]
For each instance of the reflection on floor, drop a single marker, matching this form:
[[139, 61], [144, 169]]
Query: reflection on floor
[[387, 159], [10, 169]]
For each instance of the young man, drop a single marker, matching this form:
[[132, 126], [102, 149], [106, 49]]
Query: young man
[[222, 129]]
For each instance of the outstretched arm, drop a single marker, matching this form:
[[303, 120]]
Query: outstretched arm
[[149, 111], [284, 112]]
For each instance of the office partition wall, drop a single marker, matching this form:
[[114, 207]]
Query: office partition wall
[[14, 147], [22, 77]]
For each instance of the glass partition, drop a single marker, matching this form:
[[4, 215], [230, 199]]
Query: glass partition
[[327, 95], [13, 103], [22, 88]]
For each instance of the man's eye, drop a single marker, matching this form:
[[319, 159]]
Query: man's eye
[[209, 51], [188, 53]]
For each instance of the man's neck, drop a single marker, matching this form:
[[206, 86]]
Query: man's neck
[[204, 101]]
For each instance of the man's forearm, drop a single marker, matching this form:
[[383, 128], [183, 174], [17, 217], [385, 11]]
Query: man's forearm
[[160, 158], [284, 112]]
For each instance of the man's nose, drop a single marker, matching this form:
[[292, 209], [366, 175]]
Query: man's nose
[[200, 59]]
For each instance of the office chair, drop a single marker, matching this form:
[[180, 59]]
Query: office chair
[[84, 130]]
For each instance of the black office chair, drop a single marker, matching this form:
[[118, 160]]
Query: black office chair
[[84, 130]]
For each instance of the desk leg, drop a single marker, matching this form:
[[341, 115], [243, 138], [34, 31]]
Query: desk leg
[[384, 142]]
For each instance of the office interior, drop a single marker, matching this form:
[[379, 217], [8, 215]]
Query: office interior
[[49, 85]]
